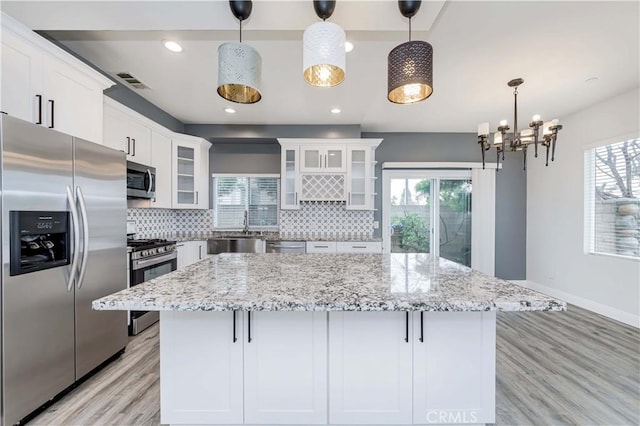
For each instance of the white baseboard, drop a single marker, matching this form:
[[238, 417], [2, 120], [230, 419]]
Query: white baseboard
[[599, 308]]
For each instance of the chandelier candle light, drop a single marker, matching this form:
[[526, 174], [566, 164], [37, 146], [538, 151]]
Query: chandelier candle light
[[239, 65], [519, 141], [323, 55]]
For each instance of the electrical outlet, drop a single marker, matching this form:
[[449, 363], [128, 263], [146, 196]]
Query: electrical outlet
[[376, 224]]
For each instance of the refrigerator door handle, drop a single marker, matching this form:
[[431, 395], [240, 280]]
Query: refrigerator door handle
[[76, 237], [85, 236]]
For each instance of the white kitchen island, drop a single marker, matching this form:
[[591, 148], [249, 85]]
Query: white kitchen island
[[328, 339]]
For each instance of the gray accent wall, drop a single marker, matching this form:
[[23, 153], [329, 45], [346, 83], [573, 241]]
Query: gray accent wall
[[511, 187], [211, 132]]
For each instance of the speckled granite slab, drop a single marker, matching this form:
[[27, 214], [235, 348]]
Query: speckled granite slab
[[328, 282]]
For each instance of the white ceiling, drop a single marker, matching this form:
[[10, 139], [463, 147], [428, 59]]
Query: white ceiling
[[478, 47]]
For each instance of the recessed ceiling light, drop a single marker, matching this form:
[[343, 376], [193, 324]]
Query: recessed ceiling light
[[230, 110], [172, 46], [348, 46], [336, 111]]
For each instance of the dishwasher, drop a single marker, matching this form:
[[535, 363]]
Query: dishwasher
[[286, 247]]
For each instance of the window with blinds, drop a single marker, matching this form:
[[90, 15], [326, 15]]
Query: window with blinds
[[612, 198], [259, 196]]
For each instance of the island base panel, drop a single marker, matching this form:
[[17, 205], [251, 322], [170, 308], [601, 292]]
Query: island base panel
[[419, 368]]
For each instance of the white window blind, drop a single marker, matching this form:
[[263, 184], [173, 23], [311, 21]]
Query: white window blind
[[259, 196], [612, 198]]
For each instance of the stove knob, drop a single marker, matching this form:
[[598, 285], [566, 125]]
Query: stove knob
[[161, 250], [145, 253]]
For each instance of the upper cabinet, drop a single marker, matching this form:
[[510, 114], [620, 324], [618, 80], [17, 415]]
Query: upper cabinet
[[341, 170], [161, 160], [191, 173], [124, 131], [323, 159], [45, 85]]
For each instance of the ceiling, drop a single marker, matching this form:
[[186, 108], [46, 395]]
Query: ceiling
[[478, 46]]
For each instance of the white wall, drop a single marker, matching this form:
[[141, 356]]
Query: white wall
[[556, 262]]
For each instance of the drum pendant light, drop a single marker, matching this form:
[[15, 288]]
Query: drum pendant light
[[239, 65], [323, 54], [410, 65]]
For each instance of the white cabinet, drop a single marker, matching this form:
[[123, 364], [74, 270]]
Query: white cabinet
[[454, 367], [289, 178], [361, 178], [45, 85], [344, 247], [190, 252], [285, 368], [161, 151], [322, 158], [201, 367], [370, 368], [321, 246], [125, 131], [190, 173], [337, 170], [359, 247]]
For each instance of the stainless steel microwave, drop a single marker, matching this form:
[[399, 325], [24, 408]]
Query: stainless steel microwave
[[141, 181]]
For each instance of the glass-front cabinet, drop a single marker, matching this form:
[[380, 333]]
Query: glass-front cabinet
[[190, 174], [290, 172], [323, 159], [361, 176]]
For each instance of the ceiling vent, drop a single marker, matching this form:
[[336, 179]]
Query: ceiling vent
[[132, 80]]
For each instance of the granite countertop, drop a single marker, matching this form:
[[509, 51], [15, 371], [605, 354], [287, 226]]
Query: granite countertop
[[273, 236], [328, 282]]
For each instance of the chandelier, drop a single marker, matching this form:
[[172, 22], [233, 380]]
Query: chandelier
[[519, 141]]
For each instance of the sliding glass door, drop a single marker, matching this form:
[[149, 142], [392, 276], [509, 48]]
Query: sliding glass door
[[428, 211]]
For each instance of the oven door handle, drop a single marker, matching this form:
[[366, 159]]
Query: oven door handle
[[76, 237], [141, 263]]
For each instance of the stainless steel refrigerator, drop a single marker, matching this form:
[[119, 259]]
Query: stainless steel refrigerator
[[63, 203]]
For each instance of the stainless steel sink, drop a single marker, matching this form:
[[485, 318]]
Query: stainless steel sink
[[239, 244]]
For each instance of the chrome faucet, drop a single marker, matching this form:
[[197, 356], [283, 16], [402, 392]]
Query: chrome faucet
[[245, 229]]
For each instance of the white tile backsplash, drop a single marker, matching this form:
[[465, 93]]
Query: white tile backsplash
[[326, 220], [313, 220]]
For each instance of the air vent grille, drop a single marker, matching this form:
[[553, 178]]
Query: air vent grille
[[132, 80]]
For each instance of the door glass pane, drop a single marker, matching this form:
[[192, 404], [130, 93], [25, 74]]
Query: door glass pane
[[311, 158], [334, 158], [410, 215], [455, 220]]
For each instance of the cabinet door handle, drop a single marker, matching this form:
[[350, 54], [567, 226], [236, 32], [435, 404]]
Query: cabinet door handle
[[197, 197], [321, 246], [406, 327], [296, 199], [39, 109], [325, 161], [422, 326], [359, 247], [349, 197], [52, 103], [248, 326], [235, 338], [128, 145], [200, 252], [134, 147]]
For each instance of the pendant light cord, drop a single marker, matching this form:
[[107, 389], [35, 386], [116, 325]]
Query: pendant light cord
[[409, 29], [241, 31]]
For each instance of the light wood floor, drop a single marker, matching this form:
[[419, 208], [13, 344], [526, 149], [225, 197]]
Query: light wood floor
[[573, 367]]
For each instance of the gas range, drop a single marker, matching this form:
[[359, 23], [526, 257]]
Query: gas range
[[141, 249]]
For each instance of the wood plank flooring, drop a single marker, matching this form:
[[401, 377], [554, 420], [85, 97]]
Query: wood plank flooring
[[554, 368]]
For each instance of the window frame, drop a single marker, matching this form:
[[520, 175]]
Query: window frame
[[589, 222], [248, 176]]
